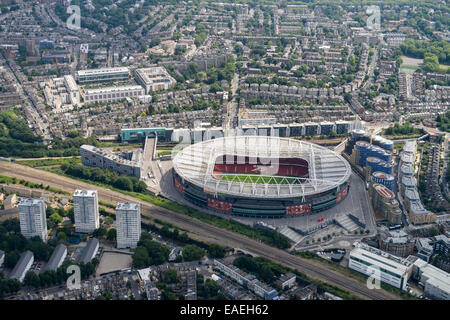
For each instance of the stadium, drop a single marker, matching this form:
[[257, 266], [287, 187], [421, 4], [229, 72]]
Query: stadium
[[261, 176]]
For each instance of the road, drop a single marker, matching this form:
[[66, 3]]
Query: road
[[224, 237]]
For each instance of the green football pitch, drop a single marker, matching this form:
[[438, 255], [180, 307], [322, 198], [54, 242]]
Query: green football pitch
[[257, 178]]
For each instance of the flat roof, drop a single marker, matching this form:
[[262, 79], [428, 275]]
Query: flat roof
[[383, 191], [101, 71], [85, 193], [383, 261], [112, 89], [31, 202], [417, 207], [128, 206]]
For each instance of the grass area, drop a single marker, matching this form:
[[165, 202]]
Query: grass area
[[164, 153], [49, 162], [257, 178], [29, 184]]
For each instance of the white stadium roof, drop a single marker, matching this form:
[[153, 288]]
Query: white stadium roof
[[327, 169]]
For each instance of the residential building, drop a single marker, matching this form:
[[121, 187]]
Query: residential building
[[383, 266], [22, 266], [33, 220], [10, 201], [57, 258], [85, 206], [398, 243], [102, 75], [154, 79], [2, 257], [90, 251], [95, 157], [384, 202], [424, 248], [286, 281], [441, 244], [128, 223], [247, 280]]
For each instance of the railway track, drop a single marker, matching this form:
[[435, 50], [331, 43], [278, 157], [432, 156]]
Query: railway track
[[223, 237]]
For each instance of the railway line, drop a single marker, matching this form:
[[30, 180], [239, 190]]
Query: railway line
[[313, 269]]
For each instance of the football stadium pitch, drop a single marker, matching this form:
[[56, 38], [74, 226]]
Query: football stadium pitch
[[257, 178]]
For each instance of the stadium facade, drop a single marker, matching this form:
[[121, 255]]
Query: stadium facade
[[261, 176]]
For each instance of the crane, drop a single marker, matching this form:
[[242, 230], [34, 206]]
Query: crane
[[371, 130]]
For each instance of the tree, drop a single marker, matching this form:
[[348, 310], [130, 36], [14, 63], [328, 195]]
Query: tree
[[112, 234], [32, 280], [170, 276], [211, 288], [11, 258], [141, 258], [193, 252], [54, 220], [216, 251]]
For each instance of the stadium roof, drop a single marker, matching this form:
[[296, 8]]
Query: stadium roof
[[327, 169]]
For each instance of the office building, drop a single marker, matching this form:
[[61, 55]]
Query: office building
[[128, 223], [154, 79], [33, 221], [102, 75], [57, 258], [90, 251], [383, 266], [22, 266], [111, 94], [85, 206], [435, 282]]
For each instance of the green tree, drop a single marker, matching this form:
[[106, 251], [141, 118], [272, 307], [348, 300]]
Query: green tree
[[32, 280], [112, 234], [193, 252], [170, 276]]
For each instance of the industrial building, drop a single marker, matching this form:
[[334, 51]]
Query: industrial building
[[95, 157], [111, 94], [57, 258], [435, 282], [90, 251], [85, 206], [22, 266], [154, 79], [383, 266], [102, 75], [128, 224], [33, 220]]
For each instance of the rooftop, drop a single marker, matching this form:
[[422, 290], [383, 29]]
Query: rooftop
[[101, 71]]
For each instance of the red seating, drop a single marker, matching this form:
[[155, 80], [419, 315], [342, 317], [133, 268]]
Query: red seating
[[293, 167]]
